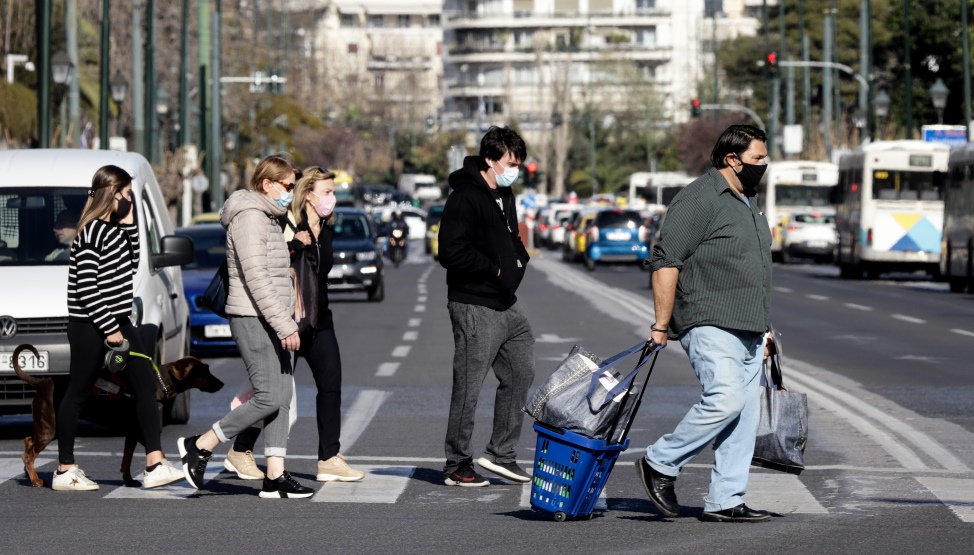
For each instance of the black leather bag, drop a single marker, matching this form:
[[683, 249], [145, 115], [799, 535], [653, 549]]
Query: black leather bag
[[306, 290], [215, 296]]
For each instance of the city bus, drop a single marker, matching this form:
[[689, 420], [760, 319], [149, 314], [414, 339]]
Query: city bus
[[957, 251], [791, 186], [890, 210], [654, 191]]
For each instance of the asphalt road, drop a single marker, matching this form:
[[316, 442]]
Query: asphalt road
[[887, 367]]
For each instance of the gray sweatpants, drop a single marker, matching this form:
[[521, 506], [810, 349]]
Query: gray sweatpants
[[269, 368], [484, 338]]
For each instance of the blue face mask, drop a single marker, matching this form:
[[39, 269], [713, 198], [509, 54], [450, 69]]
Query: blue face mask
[[284, 198], [507, 178]]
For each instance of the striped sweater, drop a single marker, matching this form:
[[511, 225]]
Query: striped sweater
[[104, 257]]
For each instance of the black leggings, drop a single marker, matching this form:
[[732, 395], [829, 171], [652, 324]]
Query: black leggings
[[321, 351], [87, 358]]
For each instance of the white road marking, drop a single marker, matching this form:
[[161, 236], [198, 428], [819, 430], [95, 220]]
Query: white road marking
[[401, 351], [415, 322], [420, 308], [12, 468], [360, 414], [859, 307], [783, 289], [909, 319], [387, 369], [781, 493], [956, 493], [177, 490], [963, 332], [817, 297], [554, 338], [421, 299], [382, 484], [410, 336]]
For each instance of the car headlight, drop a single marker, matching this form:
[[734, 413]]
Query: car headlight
[[365, 255]]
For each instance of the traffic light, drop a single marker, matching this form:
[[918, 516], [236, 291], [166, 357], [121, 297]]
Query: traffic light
[[532, 173], [771, 64], [695, 108]]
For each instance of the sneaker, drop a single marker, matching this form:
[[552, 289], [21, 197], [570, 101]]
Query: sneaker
[[336, 469], [163, 473], [73, 479], [510, 470], [466, 478], [243, 464], [194, 460], [284, 487]]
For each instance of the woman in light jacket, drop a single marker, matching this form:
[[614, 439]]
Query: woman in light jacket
[[260, 304]]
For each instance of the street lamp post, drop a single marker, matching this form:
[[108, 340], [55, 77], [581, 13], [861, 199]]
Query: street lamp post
[[61, 67], [163, 98], [120, 89], [882, 102], [938, 94]]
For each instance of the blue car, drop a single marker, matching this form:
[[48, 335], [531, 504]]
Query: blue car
[[615, 236], [209, 333]]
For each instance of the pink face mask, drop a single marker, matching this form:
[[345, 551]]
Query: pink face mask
[[325, 205]]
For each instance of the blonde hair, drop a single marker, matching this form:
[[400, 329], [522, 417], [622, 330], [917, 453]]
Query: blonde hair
[[306, 185], [275, 167], [105, 184]]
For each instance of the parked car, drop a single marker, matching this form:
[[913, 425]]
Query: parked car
[[433, 215], [559, 215], [209, 333], [40, 187], [808, 234], [575, 235], [374, 194], [358, 256], [615, 236]]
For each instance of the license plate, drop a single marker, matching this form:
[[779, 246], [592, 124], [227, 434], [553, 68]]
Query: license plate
[[217, 330], [818, 244], [335, 273], [618, 236], [27, 361]]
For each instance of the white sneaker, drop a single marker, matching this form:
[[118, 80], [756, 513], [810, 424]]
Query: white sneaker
[[163, 474], [73, 479]]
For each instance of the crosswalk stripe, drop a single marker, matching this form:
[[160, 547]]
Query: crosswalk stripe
[[382, 484], [956, 493], [781, 493], [178, 490], [360, 415], [12, 468]]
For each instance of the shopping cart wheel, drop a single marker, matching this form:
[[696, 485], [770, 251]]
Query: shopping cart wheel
[[560, 516]]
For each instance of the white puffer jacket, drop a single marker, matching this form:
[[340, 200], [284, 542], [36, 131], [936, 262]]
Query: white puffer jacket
[[258, 261]]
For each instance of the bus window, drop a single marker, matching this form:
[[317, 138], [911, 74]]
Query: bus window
[[907, 185], [802, 195]]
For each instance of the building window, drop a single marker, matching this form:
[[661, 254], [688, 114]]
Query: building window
[[376, 20], [379, 81], [646, 36], [348, 20], [353, 48], [433, 20], [645, 4], [404, 21]]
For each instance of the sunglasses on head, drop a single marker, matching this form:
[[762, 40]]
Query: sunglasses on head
[[319, 171]]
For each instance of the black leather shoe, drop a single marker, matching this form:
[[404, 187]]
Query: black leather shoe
[[740, 513], [659, 488]]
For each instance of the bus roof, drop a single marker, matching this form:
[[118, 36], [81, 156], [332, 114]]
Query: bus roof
[[885, 146]]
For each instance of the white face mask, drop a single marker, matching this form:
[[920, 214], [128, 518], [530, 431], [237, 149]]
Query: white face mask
[[507, 178]]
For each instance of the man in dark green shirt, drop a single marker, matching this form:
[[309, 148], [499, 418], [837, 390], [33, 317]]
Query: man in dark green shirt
[[712, 287]]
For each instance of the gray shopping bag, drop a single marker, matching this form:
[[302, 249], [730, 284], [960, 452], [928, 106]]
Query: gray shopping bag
[[783, 428]]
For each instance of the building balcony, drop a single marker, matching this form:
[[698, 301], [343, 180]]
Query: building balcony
[[520, 20], [631, 52], [394, 63]]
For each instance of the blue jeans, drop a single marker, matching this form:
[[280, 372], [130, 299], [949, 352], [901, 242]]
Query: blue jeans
[[728, 364]]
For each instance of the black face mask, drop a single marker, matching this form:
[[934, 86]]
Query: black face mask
[[123, 209], [750, 176]]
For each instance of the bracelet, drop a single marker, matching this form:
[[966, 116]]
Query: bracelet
[[654, 328]]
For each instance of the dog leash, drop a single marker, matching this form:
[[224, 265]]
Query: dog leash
[[165, 389]]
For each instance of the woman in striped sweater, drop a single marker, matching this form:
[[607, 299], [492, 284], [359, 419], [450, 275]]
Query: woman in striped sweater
[[104, 259]]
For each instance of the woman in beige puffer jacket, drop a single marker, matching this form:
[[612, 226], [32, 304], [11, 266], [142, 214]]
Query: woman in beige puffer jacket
[[260, 305]]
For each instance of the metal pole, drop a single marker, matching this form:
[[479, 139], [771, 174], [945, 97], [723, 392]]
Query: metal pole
[[138, 92], [827, 88], [790, 79], [773, 92], [43, 17], [870, 111], [908, 61], [103, 68], [836, 88], [964, 22], [151, 118], [203, 28], [74, 93], [807, 92], [183, 75], [863, 61], [713, 21], [216, 136]]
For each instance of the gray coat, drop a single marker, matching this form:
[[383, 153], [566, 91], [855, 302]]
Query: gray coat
[[258, 261]]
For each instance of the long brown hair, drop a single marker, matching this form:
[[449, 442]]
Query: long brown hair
[[106, 183], [275, 167], [306, 185]]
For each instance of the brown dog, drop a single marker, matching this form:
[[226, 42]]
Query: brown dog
[[179, 376]]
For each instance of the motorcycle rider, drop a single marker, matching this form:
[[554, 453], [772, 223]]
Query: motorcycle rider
[[399, 222]]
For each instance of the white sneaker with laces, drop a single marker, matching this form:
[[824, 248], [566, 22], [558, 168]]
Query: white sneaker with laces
[[73, 479], [163, 474]]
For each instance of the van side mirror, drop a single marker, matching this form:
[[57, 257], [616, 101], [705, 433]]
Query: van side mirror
[[175, 250]]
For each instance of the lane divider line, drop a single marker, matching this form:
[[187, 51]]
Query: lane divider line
[[410, 336], [855, 306], [415, 322], [963, 332], [909, 319], [387, 369], [401, 351], [420, 308], [817, 297], [783, 290]]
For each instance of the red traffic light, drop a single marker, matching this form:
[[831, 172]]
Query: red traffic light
[[772, 58], [695, 103], [532, 167]]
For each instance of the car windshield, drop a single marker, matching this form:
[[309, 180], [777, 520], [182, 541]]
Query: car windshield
[[814, 218], [617, 218], [209, 243], [38, 224], [351, 226]]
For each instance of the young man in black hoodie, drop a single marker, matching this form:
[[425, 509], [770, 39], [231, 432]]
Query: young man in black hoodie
[[485, 262]]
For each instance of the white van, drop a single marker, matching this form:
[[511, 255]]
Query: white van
[[44, 189]]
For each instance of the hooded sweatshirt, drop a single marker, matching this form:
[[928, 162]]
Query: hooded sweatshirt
[[477, 237], [258, 261]]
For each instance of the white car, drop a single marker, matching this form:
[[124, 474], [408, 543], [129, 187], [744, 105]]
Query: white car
[[808, 234], [41, 193]]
